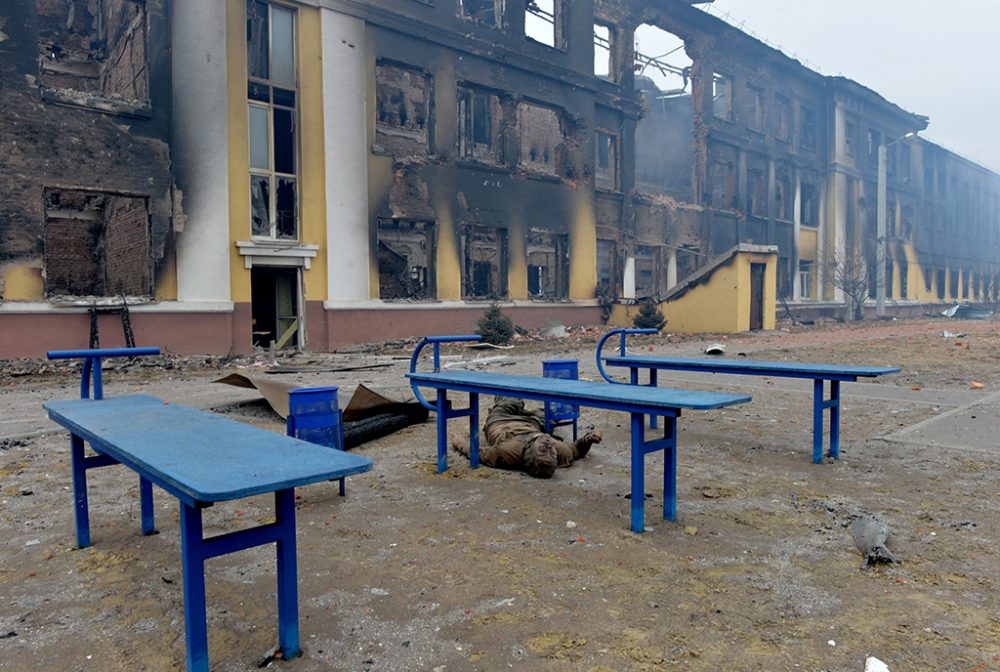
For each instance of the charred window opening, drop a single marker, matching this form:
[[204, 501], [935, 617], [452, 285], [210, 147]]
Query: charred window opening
[[405, 259], [542, 137], [548, 265], [96, 48], [479, 117], [904, 280], [724, 196], [604, 63], [606, 161], [402, 104], [905, 162], [809, 210], [487, 12], [940, 283], [755, 108], [647, 264], [850, 137], [607, 267], [687, 261], [807, 129], [874, 140], [96, 244], [543, 22], [784, 198], [756, 192], [485, 264], [272, 121], [722, 96], [783, 117], [953, 288]]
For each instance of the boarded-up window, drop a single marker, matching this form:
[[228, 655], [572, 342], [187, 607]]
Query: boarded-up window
[[96, 244], [484, 273], [541, 137], [548, 265], [405, 259], [96, 47], [402, 105]]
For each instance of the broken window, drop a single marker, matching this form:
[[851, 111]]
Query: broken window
[[809, 211], [756, 192], [905, 164], [97, 48], [783, 117], [647, 258], [543, 22], [548, 265], [722, 96], [755, 108], [603, 53], [850, 136], [272, 121], [402, 104], [541, 137], [607, 265], [606, 161], [784, 198], [485, 262], [805, 279], [96, 244], [904, 280], [661, 59], [405, 259], [874, 140], [488, 12], [724, 185], [479, 115], [953, 288], [807, 131], [940, 283]]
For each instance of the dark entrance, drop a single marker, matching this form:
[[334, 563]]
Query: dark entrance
[[757, 296], [275, 306]]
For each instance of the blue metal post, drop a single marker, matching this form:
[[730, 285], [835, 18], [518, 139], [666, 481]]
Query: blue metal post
[[146, 505], [474, 430], [442, 430], [80, 492], [652, 383], [670, 467], [193, 563], [835, 419], [817, 421], [288, 586], [638, 474]]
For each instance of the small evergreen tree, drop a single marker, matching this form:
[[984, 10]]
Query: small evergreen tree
[[649, 316], [495, 327]]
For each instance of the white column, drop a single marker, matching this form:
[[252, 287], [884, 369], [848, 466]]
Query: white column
[[628, 279], [346, 145], [201, 148], [797, 237], [672, 268]]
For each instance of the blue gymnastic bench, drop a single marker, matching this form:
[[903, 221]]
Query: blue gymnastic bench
[[818, 373], [201, 458], [635, 400]]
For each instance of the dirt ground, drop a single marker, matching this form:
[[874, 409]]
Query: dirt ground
[[491, 570]]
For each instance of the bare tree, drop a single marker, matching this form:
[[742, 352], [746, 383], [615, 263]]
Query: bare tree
[[852, 271]]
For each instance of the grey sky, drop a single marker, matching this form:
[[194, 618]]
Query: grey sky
[[931, 57]]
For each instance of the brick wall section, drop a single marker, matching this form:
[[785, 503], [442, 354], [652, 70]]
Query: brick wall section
[[126, 247], [124, 73], [73, 233]]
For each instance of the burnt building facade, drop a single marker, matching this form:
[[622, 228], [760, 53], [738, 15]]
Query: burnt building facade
[[319, 173]]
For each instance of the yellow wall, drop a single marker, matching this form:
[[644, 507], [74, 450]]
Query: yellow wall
[[719, 305], [583, 246], [807, 244], [23, 283]]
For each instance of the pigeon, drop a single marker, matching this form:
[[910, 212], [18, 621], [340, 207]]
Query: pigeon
[[870, 536]]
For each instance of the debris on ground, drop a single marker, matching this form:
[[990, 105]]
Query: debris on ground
[[477, 363], [948, 334], [976, 386], [554, 329], [965, 311], [870, 536], [715, 349], [873, 664]]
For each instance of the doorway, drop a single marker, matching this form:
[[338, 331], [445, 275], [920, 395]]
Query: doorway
[[757, 296], [274, 293]]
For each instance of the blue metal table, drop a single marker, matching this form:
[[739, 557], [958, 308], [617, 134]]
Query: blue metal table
[[200, 459], [637, 401], [818, 373]]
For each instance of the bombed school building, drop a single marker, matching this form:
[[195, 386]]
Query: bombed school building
[[213, 176]]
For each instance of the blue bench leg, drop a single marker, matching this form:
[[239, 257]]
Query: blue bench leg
[[193, 563], [442, 427], [835, 419], [288, 586], [80, 492], [638, 472], [817, 421], [146, 505], [669, 468], [473, 430]]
